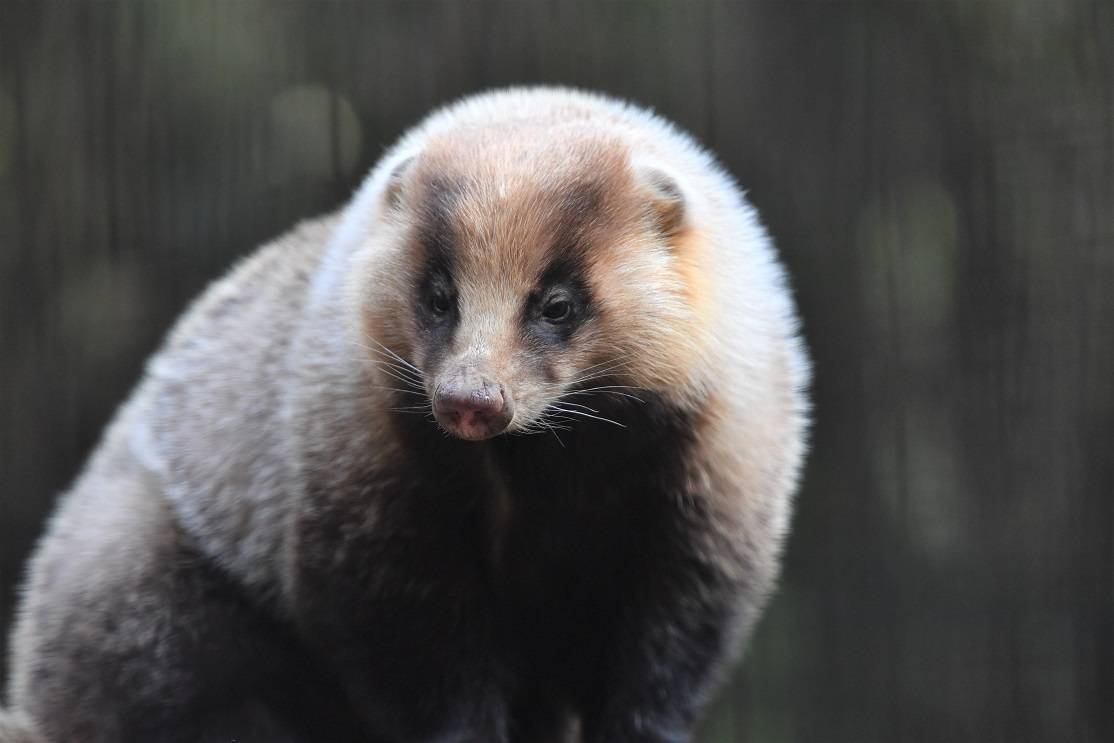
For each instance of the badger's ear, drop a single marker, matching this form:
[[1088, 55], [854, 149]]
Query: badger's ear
[[392, 194], [666, 200]]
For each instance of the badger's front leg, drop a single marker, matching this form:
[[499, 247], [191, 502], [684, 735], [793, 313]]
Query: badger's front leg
[[683, 624], [659, 674], [399, 614]]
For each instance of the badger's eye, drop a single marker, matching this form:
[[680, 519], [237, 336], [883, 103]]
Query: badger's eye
[[440, 303], [557, 310]]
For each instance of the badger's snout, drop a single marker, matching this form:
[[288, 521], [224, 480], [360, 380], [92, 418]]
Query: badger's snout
[[471, 405]]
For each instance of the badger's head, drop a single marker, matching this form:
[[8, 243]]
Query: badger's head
[[519, 276]]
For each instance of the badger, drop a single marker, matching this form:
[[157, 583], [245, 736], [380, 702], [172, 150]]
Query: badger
[[504, 450]]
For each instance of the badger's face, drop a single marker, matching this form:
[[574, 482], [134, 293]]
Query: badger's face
[[523, 276]]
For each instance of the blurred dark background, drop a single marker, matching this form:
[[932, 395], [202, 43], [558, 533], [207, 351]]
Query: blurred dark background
[[939, 177]]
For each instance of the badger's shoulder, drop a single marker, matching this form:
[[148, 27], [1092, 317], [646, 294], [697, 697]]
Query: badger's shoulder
[[204, 424]]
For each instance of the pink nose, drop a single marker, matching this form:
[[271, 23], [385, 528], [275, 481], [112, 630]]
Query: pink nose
[[472, 406]]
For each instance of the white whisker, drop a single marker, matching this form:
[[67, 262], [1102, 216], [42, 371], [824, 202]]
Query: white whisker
[[563, 401], [588, 415], [416, 384], [387, 363], [393, 355], [610, 389], [397, 389]]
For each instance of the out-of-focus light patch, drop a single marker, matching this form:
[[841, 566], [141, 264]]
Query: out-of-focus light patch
[[918, 470], [908, 236], [1026, 29], [7, 131], [97, 307], [233, 44], [315, 134]]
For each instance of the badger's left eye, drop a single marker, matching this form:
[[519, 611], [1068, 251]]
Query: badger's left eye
[[557, 310], [440, 303]]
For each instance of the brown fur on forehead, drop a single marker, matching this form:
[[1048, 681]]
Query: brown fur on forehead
[[517, 199]]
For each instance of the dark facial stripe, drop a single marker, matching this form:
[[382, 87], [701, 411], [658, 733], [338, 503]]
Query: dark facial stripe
[[434, 230], [434, 297]]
